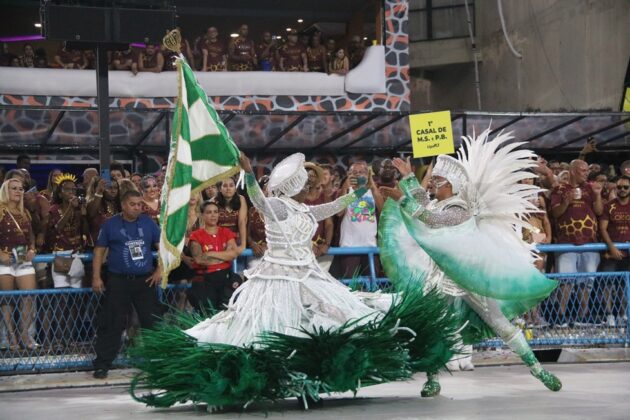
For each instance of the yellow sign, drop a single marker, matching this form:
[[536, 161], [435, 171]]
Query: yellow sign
[[431, 134]]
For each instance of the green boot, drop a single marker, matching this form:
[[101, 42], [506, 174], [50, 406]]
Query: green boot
[[431, 387], [519, 345], [548, 379]]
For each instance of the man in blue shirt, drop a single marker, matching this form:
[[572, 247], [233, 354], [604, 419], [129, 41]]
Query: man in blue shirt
[[131, 277]]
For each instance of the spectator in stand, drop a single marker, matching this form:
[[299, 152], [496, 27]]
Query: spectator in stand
[[293, 54], [6, 57], [356, 51], [41, 62], [542, 233], [15, 62], [213, 51], [23, 162], [232, 211], [210, 192], [614, 228], [86, 178], [555, 167], [256, 237], [387, 174], [116, 172], [339, 64], [322, 238], [575, 207], [125, 60], [38, 207], [50, 185], [316, 55], [90, 59], [3, 173], [131, 279], [625, 168], [266, 52], [151, 198], [67, 226], [170, 56], [213, 248], [136, 178], [329, 191], [151, 60], [242, 51], [102, 204], [602, 179], [304, 39], [331, 49], [358, 226], [70, 59], [28, 58], [17, 250]]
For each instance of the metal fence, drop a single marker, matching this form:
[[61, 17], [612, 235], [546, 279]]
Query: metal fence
[[55, 328]]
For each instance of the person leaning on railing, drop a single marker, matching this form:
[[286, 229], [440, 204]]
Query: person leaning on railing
[[213, 248], [614, 226], [17, 250]]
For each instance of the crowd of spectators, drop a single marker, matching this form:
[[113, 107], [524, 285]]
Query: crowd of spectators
[[210, 51], [590, 204]]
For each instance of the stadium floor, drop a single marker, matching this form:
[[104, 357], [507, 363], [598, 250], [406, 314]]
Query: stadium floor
[[591, 390]]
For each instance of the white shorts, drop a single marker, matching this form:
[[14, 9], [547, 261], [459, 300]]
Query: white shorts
[[17, 270], [73, 278]]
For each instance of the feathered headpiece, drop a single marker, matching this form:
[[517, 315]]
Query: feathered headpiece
[[451, 169], [59, 179]]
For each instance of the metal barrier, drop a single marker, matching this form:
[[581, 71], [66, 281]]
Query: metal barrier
[[61, 321]]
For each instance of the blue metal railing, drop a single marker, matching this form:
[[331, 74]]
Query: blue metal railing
[[62, 320]]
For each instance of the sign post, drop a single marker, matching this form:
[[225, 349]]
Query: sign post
[[431, 134]]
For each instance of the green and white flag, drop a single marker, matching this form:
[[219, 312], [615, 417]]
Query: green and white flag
[[202, 153]]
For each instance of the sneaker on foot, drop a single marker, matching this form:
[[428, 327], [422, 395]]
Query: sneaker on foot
[[100, 374]]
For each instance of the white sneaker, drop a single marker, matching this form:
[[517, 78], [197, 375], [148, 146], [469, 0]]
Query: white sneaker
[[465, 362], [610, 320], [453, 364]]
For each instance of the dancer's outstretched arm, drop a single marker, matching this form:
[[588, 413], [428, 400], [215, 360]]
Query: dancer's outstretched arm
[[324, 211]]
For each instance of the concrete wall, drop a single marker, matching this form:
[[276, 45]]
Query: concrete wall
[[575, 54]]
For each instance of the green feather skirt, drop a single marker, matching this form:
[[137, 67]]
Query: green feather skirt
[[417, 334]]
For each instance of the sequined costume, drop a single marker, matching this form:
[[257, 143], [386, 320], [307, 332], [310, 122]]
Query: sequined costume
[[467, 246], [288, 283]]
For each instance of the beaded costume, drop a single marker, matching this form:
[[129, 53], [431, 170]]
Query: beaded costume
[[469, 246]]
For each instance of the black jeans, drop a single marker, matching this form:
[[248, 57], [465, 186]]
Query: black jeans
[[215, 289], [120, 292]]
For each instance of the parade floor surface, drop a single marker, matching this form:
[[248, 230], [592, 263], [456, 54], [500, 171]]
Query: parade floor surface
[[593, 390]]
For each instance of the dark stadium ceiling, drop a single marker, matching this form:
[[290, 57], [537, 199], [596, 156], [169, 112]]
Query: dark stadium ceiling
[[194, 16]]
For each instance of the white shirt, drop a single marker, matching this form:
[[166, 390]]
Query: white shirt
[[359, 224]]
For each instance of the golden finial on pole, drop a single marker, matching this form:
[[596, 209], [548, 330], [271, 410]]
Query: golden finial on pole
[[173, 41]]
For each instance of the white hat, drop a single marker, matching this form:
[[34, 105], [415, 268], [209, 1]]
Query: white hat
[[451, 169], [288, 177]]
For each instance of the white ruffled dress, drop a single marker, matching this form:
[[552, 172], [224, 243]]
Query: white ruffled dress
[[288, 290]]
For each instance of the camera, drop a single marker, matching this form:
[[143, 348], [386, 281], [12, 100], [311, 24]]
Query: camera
[[81, 199]]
